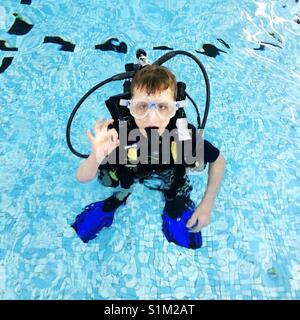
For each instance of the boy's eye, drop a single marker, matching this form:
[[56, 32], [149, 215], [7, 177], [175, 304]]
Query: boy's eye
[[143, 106], [162, 106]]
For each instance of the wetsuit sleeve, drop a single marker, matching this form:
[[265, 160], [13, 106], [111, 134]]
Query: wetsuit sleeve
[[211, 153]]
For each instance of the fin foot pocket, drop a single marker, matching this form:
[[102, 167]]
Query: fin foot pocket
[[95, 217]]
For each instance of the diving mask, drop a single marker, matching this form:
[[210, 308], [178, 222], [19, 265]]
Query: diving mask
[[165, 108]]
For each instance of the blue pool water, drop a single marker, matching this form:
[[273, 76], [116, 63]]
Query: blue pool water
[[251, 247]]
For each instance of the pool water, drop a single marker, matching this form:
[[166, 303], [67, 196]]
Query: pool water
[[250, 248]]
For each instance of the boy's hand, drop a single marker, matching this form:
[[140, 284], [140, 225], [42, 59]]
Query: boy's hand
[[201, 216], [104, 141]]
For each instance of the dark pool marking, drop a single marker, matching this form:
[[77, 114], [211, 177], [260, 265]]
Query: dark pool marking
[[271, 44], [275, 36], [26, 2], [223, 42], [65, 45], [6, 62], [20, 27], [298, 20], [162, 48], [3, 47], [210, 50], [263, 47], [110, 46]]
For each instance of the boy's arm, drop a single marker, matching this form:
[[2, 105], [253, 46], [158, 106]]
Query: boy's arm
[[88, 169], [203, 211], [215, 175]]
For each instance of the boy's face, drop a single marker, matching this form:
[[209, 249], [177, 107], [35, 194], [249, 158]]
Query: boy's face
[[152, 119]]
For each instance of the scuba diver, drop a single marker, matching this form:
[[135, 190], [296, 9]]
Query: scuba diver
[[149, 141]]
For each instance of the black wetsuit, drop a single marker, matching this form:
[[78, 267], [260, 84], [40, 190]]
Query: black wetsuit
[[169, 178]]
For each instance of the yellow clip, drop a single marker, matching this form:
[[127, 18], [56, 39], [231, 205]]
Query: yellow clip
[[132, 154], [174, 150]]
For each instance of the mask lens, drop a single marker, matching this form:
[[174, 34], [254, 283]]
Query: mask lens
[[165, 109], [140, 108]]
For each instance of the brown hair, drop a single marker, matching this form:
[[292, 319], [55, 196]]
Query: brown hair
[[154, 79]]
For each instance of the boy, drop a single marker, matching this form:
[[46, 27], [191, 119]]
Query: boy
[[153, 91]]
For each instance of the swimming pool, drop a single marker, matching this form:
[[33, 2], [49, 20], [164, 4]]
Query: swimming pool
[[251, 247]]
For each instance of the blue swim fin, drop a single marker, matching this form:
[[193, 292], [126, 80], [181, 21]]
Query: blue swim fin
[[96, 216], [175, 230]]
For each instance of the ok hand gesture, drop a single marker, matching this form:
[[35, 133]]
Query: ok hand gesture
[[105, 140]]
